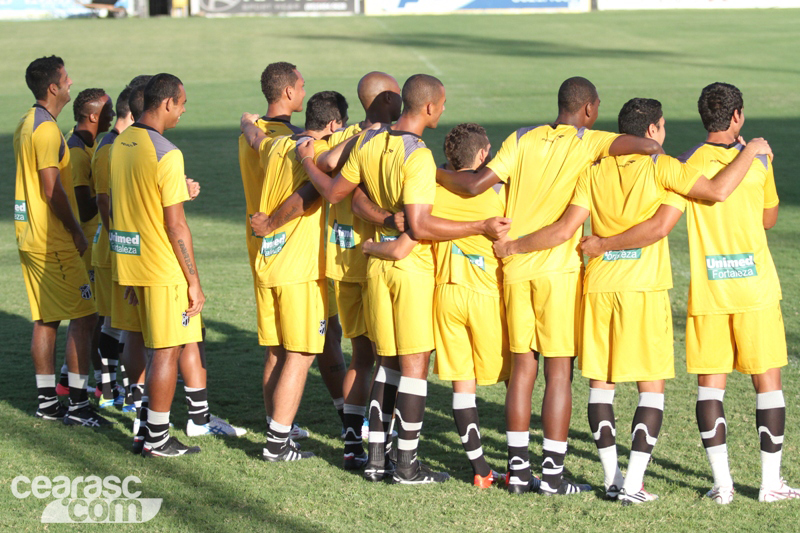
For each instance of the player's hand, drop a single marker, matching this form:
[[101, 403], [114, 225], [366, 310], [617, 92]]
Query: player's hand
[[762, 147], [366, 246], [193, 187], [260, 224], [130, 295], [496, 227], [248, 118], [503, 247], [196, 300], [592, 245], [397, 221], [305, 149], [81, 244]]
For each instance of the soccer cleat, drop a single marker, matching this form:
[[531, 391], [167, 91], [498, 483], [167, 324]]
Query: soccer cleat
[[532, 485], [61, 390], [784, 492], [419, 474], [633, 499], [105, 404], [138, 445], [297, 433], [721, 495], [355, 462], [172, 448], [59, 414], [612, 492], [98, 392], [215, 426], [494, 478], [289, 453], [85, 416], [378, 472], [567, 487]]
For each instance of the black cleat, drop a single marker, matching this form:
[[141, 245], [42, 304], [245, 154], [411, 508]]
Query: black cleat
[[419, 474], [289, 453], [355, 462], [532, 486], [85, 416], [172, 448], [59, 413]]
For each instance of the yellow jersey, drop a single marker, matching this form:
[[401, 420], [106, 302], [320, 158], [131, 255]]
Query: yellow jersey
[[253, 175], [293, 253], [731, 266], [397, 169], [346, 232], [469, 261], [101, 248], [80, 162], [146, 175], [619, 193], [541, 165], [39, 144]]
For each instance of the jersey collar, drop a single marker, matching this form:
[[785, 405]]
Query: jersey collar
[[727, 146], [43, 107]]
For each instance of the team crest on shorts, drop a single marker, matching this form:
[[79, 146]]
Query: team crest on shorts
[[86, 292], [91, 275], [184, 319], [322, 325]]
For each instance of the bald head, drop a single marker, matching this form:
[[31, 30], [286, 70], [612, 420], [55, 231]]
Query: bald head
[[419, 91], [374, 84], [575, 93]]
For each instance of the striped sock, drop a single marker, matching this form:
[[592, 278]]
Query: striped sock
[[46, 387], [197, 400], [713, 432], [277, 438], [353, 419], [519, 465], [465, 414], [644, 433], [604, 431], [140, 422], [78, 397], [381, 405], [771, 422], [157, 429], [109, 347], [409, 411]]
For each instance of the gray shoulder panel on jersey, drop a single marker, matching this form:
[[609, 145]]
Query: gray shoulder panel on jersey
[[684, 157], [303, 139], [370, 134], [411, 143], [109, 138], [41, 115], [763, 159], [654, 157], [62, 150], [523, 131], [76, 142], [160, 143], [498, 187], [580, 133]]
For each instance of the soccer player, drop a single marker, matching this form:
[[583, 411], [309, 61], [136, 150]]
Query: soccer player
[[734, 320], [51, 242], [469, 317], [101, 254], [627, 319], [292, 290], [399, 174], [153, 249], [541, 165]]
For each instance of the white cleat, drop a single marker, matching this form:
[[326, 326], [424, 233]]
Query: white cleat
[[298, 433], [633, 499], [783, 492], [215, 426], [721, 495]]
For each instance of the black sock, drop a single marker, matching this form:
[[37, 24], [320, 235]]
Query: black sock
[[553, 453], [409, 411], [644, 433], [64, 379], [78, 397], [157, 429], [465, 414], [277, 438], [46, 387], [381, 406], [197, 400], [109, 349], [519, 463], [353, 419]]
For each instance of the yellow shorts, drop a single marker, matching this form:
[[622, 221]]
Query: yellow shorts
[[471, 337], [333, 310], [102, 290], [400, 312], [751, 342], [293, 316], [543, 314], [627, 336], [57, 284], [351, 299], [162, 313], [124, 316]]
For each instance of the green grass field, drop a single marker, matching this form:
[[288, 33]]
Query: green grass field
[[500, 71]]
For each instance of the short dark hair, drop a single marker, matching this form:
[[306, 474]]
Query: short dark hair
[[41, 73], [463, 143], [123, 106], [82, 101], [159, 88], [574, 93], [324, 107], [637, 114], [136, 96], [716, 105], [419, 90], [275, 78]]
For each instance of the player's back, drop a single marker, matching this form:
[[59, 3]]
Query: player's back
[[101, 251], [731, 265], [80, 157]]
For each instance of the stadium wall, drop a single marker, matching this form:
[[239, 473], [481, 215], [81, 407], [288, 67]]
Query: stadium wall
[[692, 4]]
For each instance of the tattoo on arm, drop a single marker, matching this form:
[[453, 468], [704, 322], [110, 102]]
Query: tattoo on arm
[[285, 218], [186, 257]]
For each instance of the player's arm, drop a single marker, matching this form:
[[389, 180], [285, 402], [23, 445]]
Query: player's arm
[[390, 250], [467, 183], [643, 234], [547, 237], [332, 160], [632, 144], [366, 209], [252, 133], [424, 226], [301, 200], [334, 190], [57, 200], [181, 239], [727, 179], [103, 207], [87, 206], [770, 217]]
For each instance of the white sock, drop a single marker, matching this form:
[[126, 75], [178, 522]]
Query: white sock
[[718, 459]]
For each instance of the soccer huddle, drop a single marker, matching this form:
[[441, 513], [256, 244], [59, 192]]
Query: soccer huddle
[[353, 231]]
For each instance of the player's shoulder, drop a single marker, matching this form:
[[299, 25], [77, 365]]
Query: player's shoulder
[[527, 133], [370, 135], [42, 120], [696, 151], [161, 144], [411, 144], [75, 142]]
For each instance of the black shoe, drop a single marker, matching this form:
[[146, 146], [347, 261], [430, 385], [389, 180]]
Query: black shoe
[[531, 486], [354, 461], [376, 472], [172, 448], [289, 453], [58, 414], [419, 474], [138, 445], [85, 416], [567, 487]]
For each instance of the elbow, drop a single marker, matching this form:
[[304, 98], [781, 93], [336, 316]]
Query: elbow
[[662, 231], [654, 148], [334, 198], [768, 225]]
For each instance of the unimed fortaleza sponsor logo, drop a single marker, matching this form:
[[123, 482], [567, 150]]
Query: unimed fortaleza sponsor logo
[[617, 255], [20, 211], [125, 242], [90, 499], [474, 259], [273, 245], [730, 266], [343, 236]]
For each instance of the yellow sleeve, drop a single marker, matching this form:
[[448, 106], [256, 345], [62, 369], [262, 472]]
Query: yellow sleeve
[[582, 195], [770, 192], [598, 142], [172, 179], [47, 145], [419, 186], [350, 170], [264, 149], [81, 165], [675, 200], [676, 176], [100, 170], [504, 163]]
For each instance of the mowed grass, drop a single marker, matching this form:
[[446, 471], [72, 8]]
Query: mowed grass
[[500, 71]]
